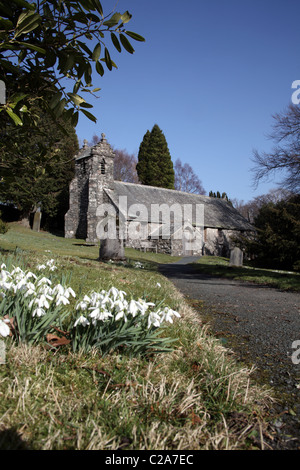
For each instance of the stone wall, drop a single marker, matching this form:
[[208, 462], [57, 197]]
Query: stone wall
[[94, 171], [218, 242]]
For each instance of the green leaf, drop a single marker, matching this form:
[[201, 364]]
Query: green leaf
[[77, 100], [96, 89], [32, 47], [113, 21], [98, 6], [126, 17], [126, 44], [6, 24], [86, 105], [85, 48], [99, 69], [55, 100], [74, 119], [135, 36], [17, 120], [15, 98], [50, 58], [23, 4], [108, 59], [89, 115], [58, 110], [115, 42], [96, 52], [88, 75], [27, 22]]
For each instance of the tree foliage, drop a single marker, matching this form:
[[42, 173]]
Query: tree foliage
[[284, 158], [33, 175], [277, 244], [155, 167], [51, 44], [186, 179], [218, 195]]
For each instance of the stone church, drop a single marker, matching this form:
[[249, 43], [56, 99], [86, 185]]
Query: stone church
[[146, 217]]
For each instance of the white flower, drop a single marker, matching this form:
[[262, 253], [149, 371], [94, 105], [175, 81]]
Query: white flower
[[30, 274], [44, 280], [120, 315], [154, 319], [117, 294], [82, 321], [39, 312], [69, 291], [158, 284], [61, 299], [4, 328], [41, 267], [133, 307], [168, 314], [83, 304], [143, 305]]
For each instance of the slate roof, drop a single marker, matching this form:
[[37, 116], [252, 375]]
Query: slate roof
[[218, 213]]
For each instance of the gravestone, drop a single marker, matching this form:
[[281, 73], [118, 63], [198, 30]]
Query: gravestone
[[236, 257], [37, 220], [111, 249]]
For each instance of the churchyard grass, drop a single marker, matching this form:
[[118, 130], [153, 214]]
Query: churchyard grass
[[194, 397], [219, 267]]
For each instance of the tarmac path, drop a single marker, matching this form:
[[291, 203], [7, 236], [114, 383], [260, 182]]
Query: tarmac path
[[260, 324]]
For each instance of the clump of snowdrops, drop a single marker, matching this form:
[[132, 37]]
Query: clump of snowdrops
[[33, 306]]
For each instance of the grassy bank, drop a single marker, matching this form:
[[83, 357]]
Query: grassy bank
[[219, 267], [195, 397]]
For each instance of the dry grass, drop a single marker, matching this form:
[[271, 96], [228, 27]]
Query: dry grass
[[195, 398]]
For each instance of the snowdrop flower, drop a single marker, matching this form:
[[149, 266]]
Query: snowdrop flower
[[39, 312], [83, 304], [168, 314], [158, 284], [41, 267], [154, 319], [4, 328], [120, 315], [30, 289], [82, 321], [44, 280], [143, 305], [133, 308], [58, 289], [69, 291], [117, 293], [61, 299], [98, 314], [30, 274]]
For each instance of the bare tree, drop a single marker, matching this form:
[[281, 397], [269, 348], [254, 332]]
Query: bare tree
[[250, 210], [285, 156], [186, 179], [125, 167]]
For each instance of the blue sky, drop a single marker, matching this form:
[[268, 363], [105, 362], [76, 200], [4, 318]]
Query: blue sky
[[211, 74]]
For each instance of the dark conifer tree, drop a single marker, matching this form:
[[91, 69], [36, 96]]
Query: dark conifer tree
[[155, 167]]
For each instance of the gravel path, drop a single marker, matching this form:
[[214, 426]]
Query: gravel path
[[260, 324]]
